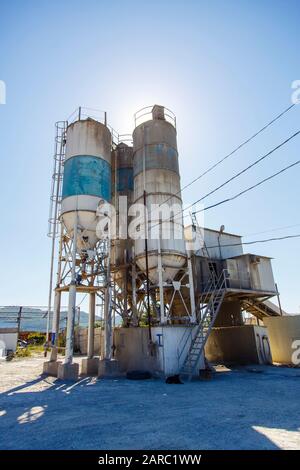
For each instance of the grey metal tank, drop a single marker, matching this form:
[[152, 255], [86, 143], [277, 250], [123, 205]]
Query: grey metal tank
[[122, 187], [156, 172]]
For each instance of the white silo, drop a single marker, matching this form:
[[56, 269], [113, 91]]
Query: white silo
[[86, 183], [86, 178], [156, 175]]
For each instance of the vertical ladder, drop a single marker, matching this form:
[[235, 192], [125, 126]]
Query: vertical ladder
[[214, 295], [55, 204], [57, 178]]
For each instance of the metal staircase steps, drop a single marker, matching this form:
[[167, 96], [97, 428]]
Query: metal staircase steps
[[214, 295]]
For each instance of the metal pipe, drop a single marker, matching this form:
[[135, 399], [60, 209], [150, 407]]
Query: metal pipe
[[134, 300], [147, 268], [163, 319], [72, 301], [57, 297], [192, 292], [56, 318], [107, 312], [278, 298], [91, 328]]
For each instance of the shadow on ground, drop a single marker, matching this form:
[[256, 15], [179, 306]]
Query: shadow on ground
[[247, 408]]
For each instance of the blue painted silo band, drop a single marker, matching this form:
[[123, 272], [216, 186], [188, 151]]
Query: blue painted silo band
[[87, 175], [125, 179], [157, 156]]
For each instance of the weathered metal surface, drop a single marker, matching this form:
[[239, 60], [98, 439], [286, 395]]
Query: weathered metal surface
[[87, 178], [157, 156], [87, 175], [156, 171]]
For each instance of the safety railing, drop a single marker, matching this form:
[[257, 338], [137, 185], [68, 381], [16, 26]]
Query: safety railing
[[145, 114], [214, 288], [82, 113]]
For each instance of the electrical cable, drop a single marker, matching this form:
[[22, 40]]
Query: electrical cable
[[246, 169], [249, 188], [266, 240], [245, 142]]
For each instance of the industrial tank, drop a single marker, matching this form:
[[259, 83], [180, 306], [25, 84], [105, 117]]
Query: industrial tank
[[157, 179], [86, 178], [122, 198]]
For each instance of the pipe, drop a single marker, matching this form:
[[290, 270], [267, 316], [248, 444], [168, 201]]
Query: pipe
[[57, 297], [107, 312], [91, 328], [72, 301], [147, 270], [278, 298]]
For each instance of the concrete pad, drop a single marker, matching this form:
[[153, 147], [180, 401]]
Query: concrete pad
[[109, 368], [68, 371], [51, 368], [89, 366]]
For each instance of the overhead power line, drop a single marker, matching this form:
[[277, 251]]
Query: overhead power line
[[277, 229], [248, 189], [256, 162], [239, 146], [257, 241], [245, 142], [235, 176]]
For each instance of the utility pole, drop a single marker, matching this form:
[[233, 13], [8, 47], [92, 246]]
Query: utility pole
[[278, 298], [19, 320]]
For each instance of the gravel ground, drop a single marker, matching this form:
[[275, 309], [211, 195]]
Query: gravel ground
[[246, 408]]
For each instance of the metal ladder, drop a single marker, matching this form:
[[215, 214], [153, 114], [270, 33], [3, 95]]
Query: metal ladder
[[213, 297]]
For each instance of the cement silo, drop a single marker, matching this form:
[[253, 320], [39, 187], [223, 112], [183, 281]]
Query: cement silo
[[86, 178], [122, 245], [86, 183], [157, 180]]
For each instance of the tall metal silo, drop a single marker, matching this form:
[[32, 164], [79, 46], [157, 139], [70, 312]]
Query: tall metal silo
[[122, 246], [157, 179], [86, 183], [86, 178]]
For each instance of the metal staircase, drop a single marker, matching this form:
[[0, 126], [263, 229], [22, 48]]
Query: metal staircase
[[213, 296]]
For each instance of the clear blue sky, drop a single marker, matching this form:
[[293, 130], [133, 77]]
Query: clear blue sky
[[224, 67]]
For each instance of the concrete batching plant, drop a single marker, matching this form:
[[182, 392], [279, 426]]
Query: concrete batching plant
[[168, 294]]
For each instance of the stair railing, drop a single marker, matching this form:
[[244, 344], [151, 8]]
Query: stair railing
[[212, 290]]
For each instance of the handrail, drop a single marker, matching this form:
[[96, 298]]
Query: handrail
[[145, 114], [219, 285]]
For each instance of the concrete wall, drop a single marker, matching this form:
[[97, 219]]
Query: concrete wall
[[81, 337], [246, 344], [8, 338], [284, 334], [171, 347]]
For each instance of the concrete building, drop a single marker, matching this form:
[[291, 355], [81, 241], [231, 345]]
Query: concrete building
[[8, 340]]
